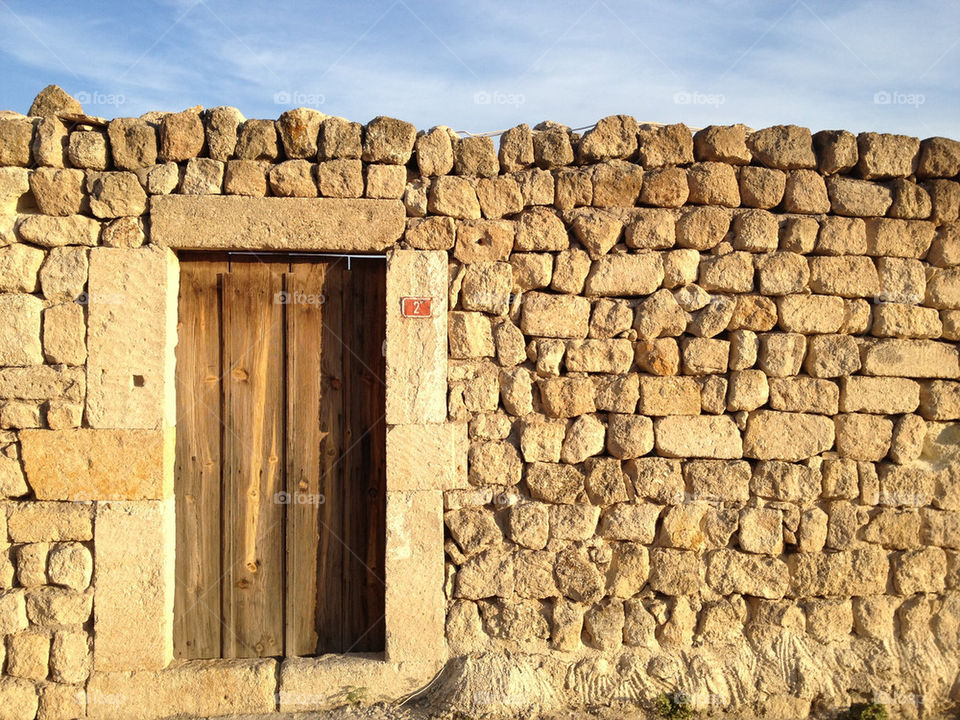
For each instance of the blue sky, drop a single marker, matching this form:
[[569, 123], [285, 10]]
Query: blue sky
[[483, 66]]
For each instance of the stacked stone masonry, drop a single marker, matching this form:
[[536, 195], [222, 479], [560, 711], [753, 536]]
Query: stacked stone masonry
[[710, 382]]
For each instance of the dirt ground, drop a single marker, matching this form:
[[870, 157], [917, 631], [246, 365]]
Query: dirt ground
[[414, 712]]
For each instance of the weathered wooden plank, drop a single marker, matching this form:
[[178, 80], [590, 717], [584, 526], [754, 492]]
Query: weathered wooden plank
[[253, 557], [304, 319], [330, 557], [365, 440], [196, 629]]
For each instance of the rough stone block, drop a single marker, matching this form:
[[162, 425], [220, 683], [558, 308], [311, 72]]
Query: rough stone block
[[704, 436], [879, 395], [786, 147], [848, 276], [669, 396], [810, 314], [888, 237], [884, 155], [20, 334], [773, 435], [909, 358]]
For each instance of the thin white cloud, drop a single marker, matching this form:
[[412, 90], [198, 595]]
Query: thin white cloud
[[487, 65]]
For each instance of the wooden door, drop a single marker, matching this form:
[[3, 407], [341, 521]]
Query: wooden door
[[280, 473]]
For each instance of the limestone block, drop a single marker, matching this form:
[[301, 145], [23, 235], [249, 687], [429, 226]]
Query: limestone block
[[136, 594], [70, 656], [385, 181], [623, 275], [117, 194], [475, 156], [58, 606], [702, 228], [62, 701], [50, 142], [133, 143], [64, 335], [131, 338], [722, 143], [888, 237], [50, 522], [28, 654], [64, 273], [909, 358], [848, 276], [89, 149], [774, 435], [196, 688], [19, 265], [905, 321], [20, 334], [427, 457], [339, 178], [885, 155], [730, 571], [204, 176], [187, 222], [669, 396], [98, 464], [940, 400], [703, 436], [617, 184], [761, 187], [13, 611], [805, 192], [836, 151], [18, 698], [785, 147], [804, 395], [299, 129], [713, 183], [810, 314], [416, 351], [554, 483], [414, 576]]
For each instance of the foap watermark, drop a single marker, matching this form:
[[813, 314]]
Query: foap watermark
[[298, 498], [95, 97], [296, 98], [898, 297], [899, 698], [298, 298], [895, 97], [496, 97], [684, 97]]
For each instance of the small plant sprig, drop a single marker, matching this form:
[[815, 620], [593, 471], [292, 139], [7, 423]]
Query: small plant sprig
[[673, 706], [868, 711], [356, 695]]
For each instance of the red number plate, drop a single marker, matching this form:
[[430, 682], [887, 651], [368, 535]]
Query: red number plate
[[415, 307]]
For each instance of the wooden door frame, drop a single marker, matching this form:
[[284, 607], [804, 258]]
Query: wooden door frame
[[425, 454]]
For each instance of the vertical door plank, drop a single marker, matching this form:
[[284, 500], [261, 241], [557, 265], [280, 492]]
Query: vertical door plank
[[330, 556], [365, 506], [196, 629], [253, 559], [304, 318]]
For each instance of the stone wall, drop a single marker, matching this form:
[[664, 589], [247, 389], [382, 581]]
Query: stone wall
[[710, 384]]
